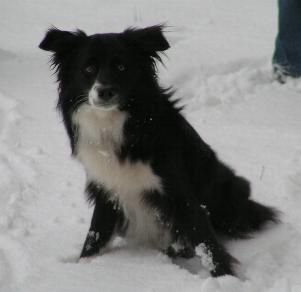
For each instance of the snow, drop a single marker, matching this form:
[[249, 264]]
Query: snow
[[220, 64]]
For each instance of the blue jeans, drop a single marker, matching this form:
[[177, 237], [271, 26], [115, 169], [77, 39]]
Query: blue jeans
[[287, 55]]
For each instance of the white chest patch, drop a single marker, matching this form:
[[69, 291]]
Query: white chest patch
[[100, 134]]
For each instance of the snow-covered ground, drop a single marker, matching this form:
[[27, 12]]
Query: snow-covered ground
[[220, 64]]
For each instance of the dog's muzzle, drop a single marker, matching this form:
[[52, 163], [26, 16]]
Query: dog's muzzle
[[103, 95]]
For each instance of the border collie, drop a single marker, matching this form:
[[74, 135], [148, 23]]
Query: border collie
[[149, 174]]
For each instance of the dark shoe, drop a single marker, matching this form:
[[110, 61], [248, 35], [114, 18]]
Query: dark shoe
[[279, 73]]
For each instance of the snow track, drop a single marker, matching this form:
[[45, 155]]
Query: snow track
[[219, 63], [16, 177]]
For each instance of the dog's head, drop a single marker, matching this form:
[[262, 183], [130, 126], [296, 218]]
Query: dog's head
[[104, 70]]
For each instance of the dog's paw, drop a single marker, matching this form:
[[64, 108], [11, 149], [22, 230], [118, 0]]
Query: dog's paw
[[92, 245], [86, 260], [180, 250]]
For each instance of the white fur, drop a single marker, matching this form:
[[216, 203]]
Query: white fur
[[93, 94], [100, 134]]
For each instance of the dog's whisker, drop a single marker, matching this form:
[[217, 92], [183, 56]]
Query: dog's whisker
[[79, 100]]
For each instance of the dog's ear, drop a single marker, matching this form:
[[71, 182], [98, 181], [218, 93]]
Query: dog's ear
[[150, 39], [59, 41]]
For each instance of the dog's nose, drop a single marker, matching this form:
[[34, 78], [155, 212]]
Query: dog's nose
[[106, 93]]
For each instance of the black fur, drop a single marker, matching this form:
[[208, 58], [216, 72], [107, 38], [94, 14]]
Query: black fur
[[202, 196], [104, 211]]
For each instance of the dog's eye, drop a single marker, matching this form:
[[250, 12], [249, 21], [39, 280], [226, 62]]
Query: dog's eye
[[89, 70], [121, 67]]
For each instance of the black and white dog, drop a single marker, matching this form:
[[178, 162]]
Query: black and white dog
[[149, 174]]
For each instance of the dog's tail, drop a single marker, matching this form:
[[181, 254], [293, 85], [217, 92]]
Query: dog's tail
[[234, 214]]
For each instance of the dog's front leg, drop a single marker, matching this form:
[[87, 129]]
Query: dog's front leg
[[105, 217]]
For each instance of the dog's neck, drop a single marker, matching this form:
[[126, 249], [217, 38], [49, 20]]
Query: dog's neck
[[99, 127]]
